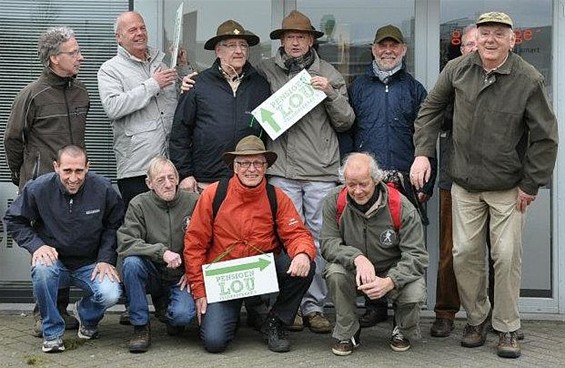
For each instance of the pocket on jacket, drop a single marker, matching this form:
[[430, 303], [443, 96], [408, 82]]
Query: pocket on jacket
[[134, 127]]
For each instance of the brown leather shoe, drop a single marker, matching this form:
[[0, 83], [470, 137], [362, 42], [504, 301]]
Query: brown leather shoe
[[475, 336], [442, 327], [141, 339], [508, 345], [297, 324], [317, 322]]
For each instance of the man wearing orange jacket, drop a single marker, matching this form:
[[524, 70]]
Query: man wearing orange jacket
[[247, 225]]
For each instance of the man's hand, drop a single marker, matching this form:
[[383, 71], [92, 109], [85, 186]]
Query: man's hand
[[165, 77], [378, 288], [321, 83], [189, 184], [201, 305], [365, 270], [44, 255], [105, 269], [188, 82], [183, 284], [420, 172], [172, 259], [299, 266], [523, 201]]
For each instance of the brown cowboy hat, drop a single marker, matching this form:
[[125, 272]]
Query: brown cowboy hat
[[231, 29], [297, 22], [249, 146]]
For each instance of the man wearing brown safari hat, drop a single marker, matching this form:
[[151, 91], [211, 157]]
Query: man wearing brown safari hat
[[214, 115], [307, 168], [504, 148], [246, 225]]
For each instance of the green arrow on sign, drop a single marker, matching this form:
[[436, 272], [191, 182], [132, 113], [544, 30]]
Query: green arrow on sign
[[267, 117], [260, 264]]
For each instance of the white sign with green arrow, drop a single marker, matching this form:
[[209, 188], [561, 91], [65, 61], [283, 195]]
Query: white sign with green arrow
[[287, 105], [240, 278]]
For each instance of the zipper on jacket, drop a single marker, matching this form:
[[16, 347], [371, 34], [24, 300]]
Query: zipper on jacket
[[68, 112], [71, 205]]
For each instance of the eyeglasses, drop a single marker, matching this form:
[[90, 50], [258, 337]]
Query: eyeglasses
[[75, 53], [256, 164], [234, 46]]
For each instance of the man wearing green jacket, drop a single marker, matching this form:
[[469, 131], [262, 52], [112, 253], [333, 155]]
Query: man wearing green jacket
[[504, 148], [369, 253], [151, 244]]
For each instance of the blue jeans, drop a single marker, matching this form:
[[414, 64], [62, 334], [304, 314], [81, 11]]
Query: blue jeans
[[47, 280], [219, 324], [141, 277], [308, 198]]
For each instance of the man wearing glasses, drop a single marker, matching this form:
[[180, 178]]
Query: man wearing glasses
[[245, 225], [48, 114], [216, 113]]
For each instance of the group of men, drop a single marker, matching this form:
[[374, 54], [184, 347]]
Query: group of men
[[229, 192]]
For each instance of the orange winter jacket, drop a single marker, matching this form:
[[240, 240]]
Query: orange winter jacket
[[243, 227]]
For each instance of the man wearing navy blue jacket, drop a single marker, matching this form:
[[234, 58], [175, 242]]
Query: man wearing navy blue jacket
[[68, 220], [386, 100]]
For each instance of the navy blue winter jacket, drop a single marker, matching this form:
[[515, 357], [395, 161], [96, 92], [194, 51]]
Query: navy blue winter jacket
[[384, 124], [210, 119], [81, 227]]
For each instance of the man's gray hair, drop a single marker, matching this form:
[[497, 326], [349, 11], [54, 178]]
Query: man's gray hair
[[376, 173], [50, 42], [157, 163]]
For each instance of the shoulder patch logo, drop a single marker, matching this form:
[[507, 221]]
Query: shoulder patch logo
[[388, 238]]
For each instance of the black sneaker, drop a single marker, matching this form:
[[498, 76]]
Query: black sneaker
[[53, 346], [345, 347], [276, 335], [398, 342], [373, 316], [508, 345], [140, 340]]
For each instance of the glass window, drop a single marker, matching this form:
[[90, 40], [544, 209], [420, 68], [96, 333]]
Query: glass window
[[200, 21], [350, 27]]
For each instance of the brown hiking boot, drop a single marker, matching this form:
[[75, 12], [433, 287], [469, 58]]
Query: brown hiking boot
[[297, 324], [442, 327], [475, 336], [317, 322], [140, 340], [508, 345]]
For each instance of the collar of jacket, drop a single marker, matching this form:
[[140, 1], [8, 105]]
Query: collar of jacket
[[505, 68], [62, 188], [245, 71], [153, 54], [161, 203], [57, 81], [314, 67], [399, 75]]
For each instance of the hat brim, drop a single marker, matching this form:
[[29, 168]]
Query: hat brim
[[270, 156], [251, 39], [484, 23], [391, 37], [277, 34]]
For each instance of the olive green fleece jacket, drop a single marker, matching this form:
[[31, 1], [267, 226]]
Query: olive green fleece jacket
[[401, 256], [152, 226], [504, 129]]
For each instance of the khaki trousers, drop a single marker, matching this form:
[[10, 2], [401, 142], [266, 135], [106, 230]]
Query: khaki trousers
[[470, 214]]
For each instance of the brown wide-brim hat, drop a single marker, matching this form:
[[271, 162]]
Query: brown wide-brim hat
[[249, 146], [296, 22], [231, 29]]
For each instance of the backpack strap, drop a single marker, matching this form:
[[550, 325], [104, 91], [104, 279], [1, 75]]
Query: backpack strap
[[340, 205], [394, 205], [219, 197]]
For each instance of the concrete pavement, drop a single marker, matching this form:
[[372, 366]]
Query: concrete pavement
[[544, 346]]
